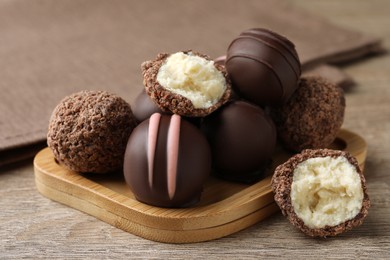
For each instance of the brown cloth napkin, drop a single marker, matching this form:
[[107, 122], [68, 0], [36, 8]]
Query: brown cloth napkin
[[50, 49]]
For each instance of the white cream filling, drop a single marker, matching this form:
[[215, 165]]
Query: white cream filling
[[326, 191], [193, 77]]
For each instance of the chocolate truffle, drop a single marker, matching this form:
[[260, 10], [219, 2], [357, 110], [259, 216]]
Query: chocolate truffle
[[312, 117], [88, 131], [186, 83], [322, 192], [264, 66], [167, 161], [242, 139], [144, 107]]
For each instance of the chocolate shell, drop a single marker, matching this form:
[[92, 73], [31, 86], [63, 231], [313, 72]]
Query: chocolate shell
[[167, 161], [264, 67], [242, 139]]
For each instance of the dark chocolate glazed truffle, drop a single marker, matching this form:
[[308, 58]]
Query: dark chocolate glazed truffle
[[264, 66], [167, 161], [89, 130], [312, 117], [186, 83], [242, 139], [322, 192]]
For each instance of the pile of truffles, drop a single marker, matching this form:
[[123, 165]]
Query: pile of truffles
[[197, 116]]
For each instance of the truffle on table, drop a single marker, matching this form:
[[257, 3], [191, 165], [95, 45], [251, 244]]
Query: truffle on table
[[88, 131], [242, 139], [186, 83], [167, 161], [264, 66], [312, 117], [321, 192]]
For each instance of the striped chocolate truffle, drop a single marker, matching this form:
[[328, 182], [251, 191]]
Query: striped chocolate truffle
[[167, 161], [264, 66]]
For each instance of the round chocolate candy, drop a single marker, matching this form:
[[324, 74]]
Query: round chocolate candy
[[167, 161], [312, 117], [88, 131], [242, 139], [264, 67]]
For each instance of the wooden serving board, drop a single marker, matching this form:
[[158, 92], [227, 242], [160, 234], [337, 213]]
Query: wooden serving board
[[225, 207]]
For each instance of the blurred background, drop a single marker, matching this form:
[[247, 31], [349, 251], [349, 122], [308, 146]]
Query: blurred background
[[50, 49]]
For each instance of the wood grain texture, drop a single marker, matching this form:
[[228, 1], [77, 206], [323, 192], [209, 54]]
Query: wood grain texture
[[32, 226], [224, 208]]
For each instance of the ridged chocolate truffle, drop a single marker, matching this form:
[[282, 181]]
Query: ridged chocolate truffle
[[88, 131], [242, 139], [167, 161], [186, 83], [312, 117], [264, 66], [321, 192]]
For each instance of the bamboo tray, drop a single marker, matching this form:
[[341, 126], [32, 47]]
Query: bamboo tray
[[225, 207]]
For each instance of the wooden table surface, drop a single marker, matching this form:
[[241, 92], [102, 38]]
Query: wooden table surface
[[32, 226]]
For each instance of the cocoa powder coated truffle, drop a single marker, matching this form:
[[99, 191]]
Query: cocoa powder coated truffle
[[312, 117], [322, 192], [186, 83], [264, 66], [167, 161], [88, 131]]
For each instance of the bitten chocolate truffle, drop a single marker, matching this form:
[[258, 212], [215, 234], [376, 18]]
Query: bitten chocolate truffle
[[264, 66], [242, 139], [88, 131], [321, 192], [167, 161], [186, 83], [312, 117]]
